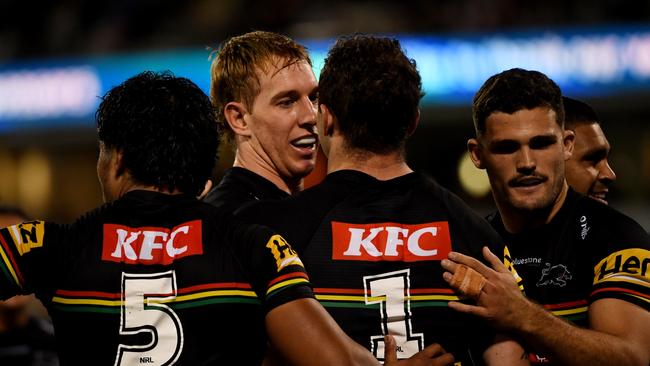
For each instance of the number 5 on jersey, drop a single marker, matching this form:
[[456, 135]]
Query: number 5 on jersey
[[143, 312]]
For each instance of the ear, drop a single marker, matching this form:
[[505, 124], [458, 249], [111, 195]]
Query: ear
[[474, 149], [117, 162], [327, 119], [413, 124], [234, 112], [568, 138]]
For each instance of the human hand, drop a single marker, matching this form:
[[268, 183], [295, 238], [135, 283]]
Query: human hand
[[433, 355], [500, 301]]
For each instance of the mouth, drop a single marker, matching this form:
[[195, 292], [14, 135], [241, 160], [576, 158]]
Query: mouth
[[308, 142], [599, 196], [525, 182]]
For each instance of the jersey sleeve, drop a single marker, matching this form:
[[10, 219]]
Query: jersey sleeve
[[276, 273], [28, 252], [621, 259]]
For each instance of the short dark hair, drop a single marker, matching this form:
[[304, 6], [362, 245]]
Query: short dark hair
[[577, 113], [373, 90], [166, 129], [513, 90]]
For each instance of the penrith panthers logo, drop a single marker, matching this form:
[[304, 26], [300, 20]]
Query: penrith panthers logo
[[390, 241], [557, 275]]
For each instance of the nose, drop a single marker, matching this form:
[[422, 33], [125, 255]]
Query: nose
[[526, 161], [307, 113], [606, 173]]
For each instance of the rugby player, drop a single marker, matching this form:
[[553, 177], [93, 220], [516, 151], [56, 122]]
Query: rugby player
[[587, 171], [265, 94], [157, 277], [374, 231], [584, 265]]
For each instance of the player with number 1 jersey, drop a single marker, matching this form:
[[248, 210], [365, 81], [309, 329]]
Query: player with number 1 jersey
[[153, 279], [373, 250]]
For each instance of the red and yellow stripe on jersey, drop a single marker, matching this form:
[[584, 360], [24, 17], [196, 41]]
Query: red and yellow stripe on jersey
[[187, 297], [624, 274], [355, 298]]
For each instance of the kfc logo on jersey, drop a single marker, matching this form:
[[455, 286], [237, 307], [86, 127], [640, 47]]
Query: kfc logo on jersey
[[390, 241], [151, 245]]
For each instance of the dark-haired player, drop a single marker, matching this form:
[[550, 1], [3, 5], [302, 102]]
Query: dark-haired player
[[265, 94], [374, 232], [587, 171], [156, 277], [581, 262]]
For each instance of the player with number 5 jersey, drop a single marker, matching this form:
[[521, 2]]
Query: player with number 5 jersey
[[156, 277]]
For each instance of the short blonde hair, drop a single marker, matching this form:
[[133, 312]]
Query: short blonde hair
[[233, 74]]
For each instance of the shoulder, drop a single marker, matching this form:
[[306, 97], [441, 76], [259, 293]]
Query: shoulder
[[598, 222]]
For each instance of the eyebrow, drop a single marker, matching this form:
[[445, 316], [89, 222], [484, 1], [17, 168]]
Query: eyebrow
[[291, 94], [535, 140], [543, 139]]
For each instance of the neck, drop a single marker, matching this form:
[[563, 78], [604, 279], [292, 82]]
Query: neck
[[380, 166], [518, 220], [260, 167]]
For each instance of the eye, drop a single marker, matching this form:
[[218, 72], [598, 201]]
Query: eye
[[314, 98], [596, 156], [286, 102], [542, 142], [504, 147]]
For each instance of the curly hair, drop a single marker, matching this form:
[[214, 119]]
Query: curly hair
[[373, 90], [233, 72], [165, 128], [513, 90]]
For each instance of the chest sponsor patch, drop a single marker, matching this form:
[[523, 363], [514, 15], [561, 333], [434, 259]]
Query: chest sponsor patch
[[390, 241], [151, 245], [27, 236]]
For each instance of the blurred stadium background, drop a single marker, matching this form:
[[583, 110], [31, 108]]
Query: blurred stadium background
[[57, 58]]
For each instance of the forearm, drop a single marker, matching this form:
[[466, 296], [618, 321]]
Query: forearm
[[304, 334], [567, 344]]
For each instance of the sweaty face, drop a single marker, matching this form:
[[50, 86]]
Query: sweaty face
[[524, 155], [283, 119], [588, 170]]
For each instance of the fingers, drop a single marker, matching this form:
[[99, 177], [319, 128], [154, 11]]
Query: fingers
[[433, 355], [470, 262], [494, 261], [437, 354], [446, 359], [466, 308], [390, 350], [467, 282]]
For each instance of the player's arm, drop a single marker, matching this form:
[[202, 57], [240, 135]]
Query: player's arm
[[619, 334], [305, 334], [505, 351], [299, 328], [25, 261]]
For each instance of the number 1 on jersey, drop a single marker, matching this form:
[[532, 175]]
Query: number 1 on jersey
[[391, 291]]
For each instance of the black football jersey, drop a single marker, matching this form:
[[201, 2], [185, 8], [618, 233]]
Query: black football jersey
[[373, 250], [587, 252], [153, 279], [240, 186]]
